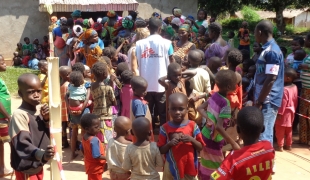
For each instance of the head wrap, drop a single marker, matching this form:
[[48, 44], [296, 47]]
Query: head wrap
[[99, 20], [78, 30], [88, 34], [85, 22], [157, 15], [63, 21], [177, 12], [169, 30], [176, 21], [184, 27], [97, 26], [127, 23], [76, 13], [191, 17], [54, 19], [111, 14], [104, 20], [58, 22]]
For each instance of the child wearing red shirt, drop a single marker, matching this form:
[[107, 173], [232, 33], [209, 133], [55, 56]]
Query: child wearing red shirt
[[92, 148], [256, 159]]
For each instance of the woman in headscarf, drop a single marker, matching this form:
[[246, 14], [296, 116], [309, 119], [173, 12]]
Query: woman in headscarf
[[98, 27], [141, 33], [90, 49], [183, 45], [111, 26], [219, 45], [76, 15]]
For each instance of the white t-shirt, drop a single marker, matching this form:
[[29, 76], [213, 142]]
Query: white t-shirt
[[153, 59]]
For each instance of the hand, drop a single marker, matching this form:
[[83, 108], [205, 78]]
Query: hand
[[186, 138], [303, 67], [45, 112], [112, 77], [49, 153], [235, 146], [258, 105], [126, 42], [193, 99], [173, 142]]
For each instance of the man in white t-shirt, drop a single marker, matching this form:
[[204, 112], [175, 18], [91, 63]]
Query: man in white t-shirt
[[154, 55]]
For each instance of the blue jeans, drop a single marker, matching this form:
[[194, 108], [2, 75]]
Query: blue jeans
[[270, 112]]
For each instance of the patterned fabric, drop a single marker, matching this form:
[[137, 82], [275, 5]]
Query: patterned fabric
[[44, 94], [63, 93], [217, 50], [182, 158], [182, 51], [305, 74], [103, 97], [304, 123], [211, 155]]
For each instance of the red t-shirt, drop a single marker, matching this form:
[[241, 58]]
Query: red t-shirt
[[251, 162], [182, 158]]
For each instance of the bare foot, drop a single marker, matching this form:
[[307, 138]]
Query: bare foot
[[280, 148], [6, 172]]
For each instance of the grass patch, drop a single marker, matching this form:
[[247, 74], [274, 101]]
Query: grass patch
[[10, 77]]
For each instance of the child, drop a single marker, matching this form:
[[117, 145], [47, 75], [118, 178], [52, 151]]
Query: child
[[201, 81], [243, 35], [87, 74], [46, 46], [115, 56], [78, 101], [29, 129], [19, 49], [64, 72], [256, 159], [286, 112], [5, 116], [245, 57], [40, 53], [284, 50], [93, 150], [138, 106], [33, 63], [116, 149], [44, 80], [248, 90], [143, 156], [230, 41], [26, 58], [126, 94], [296, 44], [257, 49], [175, 83], [35, 45], [246, 65], [17, 60], [104, 99], [213, 64], [27, 46], [180, 140], [65, 33], [218, 115]]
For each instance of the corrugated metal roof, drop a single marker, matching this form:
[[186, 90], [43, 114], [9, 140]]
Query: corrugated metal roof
[[88, 5]]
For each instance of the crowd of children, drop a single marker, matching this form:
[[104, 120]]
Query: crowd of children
[[209, 105]]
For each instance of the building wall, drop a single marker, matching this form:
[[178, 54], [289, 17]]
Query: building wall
[[302, 20], [19, 19], [147, 7]]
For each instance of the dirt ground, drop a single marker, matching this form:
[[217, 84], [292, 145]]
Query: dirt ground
[[289, 165]]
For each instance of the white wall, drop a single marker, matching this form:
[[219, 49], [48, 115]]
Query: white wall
[[147, 7], [302, 20]]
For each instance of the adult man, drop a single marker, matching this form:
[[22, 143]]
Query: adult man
[[269, 78], [154, 55]]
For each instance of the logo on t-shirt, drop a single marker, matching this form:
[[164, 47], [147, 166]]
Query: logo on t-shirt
[[272, 69], [149, 53]]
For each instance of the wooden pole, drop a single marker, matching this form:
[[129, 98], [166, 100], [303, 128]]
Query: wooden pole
[[54, 106]]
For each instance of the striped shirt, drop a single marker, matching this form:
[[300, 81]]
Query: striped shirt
[[305, 74]]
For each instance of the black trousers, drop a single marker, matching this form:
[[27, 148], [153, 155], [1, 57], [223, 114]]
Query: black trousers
[[157, 100]]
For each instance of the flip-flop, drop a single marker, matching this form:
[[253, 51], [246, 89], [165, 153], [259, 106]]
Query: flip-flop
[[10, 172]]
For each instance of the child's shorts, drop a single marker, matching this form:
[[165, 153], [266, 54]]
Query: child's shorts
[[76, 119]]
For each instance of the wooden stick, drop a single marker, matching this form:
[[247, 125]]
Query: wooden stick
[[55, 108]]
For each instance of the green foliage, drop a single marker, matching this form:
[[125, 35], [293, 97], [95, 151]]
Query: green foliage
[[235, 23], [11, 75], [214, 7], [290, 29], [249, 14]]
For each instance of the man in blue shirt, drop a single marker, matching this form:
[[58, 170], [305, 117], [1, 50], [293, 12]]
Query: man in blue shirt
[[269, 78]]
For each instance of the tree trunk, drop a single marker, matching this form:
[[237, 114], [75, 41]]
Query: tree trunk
[[279, 18]]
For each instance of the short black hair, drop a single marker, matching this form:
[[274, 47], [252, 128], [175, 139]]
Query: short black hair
[[154, 24], [76, 78], [173, 66], [290, 72], [300, 41], [78, 67], [141, 127], [250, 121], [215, 27], [224, 78], [41, 63], [284, 50], [231, 34], [99, 69], [126, 76], [121, 67], [245, 54], [265, 27], [176, 96], [24, 79], [177, 59], [25, 38], [234, 57], [138, 82], [245, 83], [204, 11], [87, 120], [300, 53], [70, 22], [195, 57], [109, 51]]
